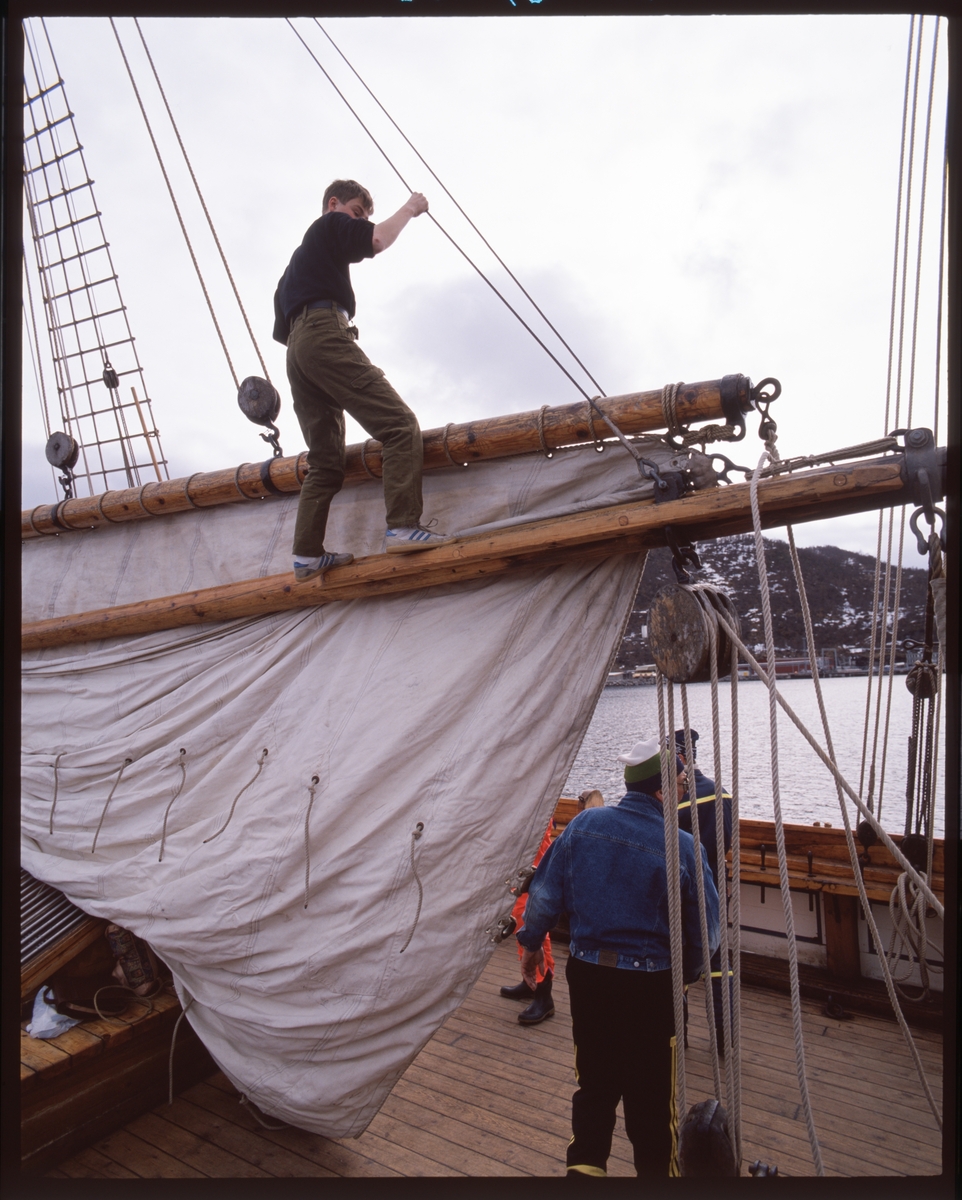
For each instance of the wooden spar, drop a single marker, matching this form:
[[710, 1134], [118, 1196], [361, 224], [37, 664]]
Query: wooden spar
[[496, 437], [620, 529]]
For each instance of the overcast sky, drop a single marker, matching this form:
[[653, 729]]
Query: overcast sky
[[685, 197]]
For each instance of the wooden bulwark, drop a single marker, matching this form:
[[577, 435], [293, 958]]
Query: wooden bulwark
[[620, 529], [830, 870], [495, 437]]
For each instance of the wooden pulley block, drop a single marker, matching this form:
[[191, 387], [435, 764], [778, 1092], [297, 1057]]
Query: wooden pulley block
[[678, 635]]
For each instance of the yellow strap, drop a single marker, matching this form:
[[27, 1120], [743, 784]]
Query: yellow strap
[[585, 1169], [703, 800], [719, 974]]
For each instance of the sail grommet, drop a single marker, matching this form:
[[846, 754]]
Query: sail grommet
[[678, 635]]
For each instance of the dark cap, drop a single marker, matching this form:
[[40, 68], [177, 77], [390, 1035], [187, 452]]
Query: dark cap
[[680, 739]]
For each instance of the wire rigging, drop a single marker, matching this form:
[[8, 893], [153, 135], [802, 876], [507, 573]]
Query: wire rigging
[[203, 203], [887, 586], [173, 199], [434, 175], [463, 253]]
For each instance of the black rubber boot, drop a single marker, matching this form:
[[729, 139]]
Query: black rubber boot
[[541, 1007], [520, 991]]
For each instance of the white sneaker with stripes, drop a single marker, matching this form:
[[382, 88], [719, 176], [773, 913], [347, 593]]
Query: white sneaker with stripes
[[403, 541]]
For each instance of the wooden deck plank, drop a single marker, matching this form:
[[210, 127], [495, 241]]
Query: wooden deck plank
[[146, 1161], [326, 1157], [91, 1164], [491, 1132], [191, 1148], [487, 1096]]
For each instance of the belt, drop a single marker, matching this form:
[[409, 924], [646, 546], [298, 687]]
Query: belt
[[324, 304]]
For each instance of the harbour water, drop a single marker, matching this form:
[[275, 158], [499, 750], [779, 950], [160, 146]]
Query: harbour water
[[626, 714]]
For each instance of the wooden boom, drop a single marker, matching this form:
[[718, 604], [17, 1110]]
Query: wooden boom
[[496, 437], [620, 529]]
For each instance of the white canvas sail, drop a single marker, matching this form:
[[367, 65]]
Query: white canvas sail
[[439, 725]]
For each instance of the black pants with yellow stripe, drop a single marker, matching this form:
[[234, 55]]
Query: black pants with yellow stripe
[[623, 1027]]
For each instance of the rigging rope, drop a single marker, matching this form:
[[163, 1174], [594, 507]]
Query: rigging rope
[[890, 983], [124, 766], [513, 277], [173, 199], [671, 798], [731, 1013], [182, 763], [886, 598], [56, 784], [673, 871], [594, 404], [260, 766], [786, 895], [315, 780], [415, 835], [203, 203]]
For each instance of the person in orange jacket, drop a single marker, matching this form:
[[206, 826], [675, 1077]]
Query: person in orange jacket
[[541, 1006]]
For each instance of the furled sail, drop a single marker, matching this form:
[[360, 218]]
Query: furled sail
[[322, 866]]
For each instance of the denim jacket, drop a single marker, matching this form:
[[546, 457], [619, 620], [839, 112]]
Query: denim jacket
[[607, 872]]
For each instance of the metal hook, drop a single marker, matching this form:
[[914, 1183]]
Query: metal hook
[[682, 555], [921, 541]]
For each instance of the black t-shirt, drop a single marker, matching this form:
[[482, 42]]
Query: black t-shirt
[[320, 268]]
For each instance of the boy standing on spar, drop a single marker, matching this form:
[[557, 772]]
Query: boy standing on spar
[[330, 374]]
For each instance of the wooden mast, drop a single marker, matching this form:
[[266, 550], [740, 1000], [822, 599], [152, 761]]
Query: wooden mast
[[620, 529], [472, 441]]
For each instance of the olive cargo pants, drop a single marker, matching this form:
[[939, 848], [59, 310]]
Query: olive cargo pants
[[329, 375]]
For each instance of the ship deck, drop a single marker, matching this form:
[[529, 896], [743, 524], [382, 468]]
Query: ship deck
[[487, 1097]]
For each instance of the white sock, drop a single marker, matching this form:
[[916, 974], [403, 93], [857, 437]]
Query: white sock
[[301, 560]]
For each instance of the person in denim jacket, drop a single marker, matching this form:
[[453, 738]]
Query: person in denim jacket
[[607, 872]]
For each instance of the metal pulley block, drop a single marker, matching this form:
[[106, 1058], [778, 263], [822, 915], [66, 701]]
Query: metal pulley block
[[678, 636], [61, 451], [521, 881], [110, 376], [502, 928], [260, 402]]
